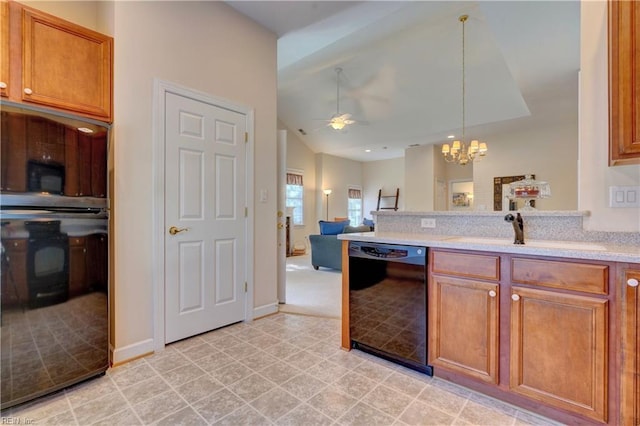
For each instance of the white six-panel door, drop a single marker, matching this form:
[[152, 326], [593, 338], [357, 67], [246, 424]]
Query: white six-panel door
[[205, 224]]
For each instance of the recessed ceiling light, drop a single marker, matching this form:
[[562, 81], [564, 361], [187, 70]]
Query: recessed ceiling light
[[451, 136], [85, 130], [367, 150]]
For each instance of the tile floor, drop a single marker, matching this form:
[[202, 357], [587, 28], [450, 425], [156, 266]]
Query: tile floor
[[283, 369]]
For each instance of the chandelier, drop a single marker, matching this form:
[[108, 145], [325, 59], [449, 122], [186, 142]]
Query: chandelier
[[459, 152]]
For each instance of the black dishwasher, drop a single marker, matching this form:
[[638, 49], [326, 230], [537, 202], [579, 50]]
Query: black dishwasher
[[388, 302]]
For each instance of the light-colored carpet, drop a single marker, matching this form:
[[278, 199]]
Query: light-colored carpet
[[312, 292]]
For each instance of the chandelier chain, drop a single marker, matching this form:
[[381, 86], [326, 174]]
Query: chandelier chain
[[463, 19]]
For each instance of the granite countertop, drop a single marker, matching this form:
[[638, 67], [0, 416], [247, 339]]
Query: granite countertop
[[566, 249]]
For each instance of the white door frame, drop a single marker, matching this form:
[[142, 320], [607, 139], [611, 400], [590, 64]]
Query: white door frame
[[161, 88]]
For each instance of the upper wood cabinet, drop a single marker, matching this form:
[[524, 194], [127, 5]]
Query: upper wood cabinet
[[58, 64], [624, 82], [4, 48]]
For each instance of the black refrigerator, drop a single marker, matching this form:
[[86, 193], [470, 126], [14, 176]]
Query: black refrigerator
[[54, 300]]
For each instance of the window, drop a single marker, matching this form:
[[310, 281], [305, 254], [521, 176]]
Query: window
[[354, 207], [295, 197]]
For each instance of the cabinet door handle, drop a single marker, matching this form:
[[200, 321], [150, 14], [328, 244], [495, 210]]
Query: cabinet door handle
[[515, 297], [3, 85], [28, 91], [492, 293], [632, 282]]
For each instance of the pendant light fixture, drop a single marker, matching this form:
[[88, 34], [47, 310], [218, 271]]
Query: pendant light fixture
[[459, 152]]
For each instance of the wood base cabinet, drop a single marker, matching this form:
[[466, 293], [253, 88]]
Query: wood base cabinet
[[559, 350], [464, 316], [630, 391], [534, 331], [14, 273], [77, 266]]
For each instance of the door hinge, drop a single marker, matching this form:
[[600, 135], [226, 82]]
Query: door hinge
[[245, 286], [246, 137], [246, 212]]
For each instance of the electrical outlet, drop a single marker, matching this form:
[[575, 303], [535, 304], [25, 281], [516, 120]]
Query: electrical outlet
[[428, 223]]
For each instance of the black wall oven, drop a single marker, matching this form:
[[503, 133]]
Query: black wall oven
[[388, 302], [54, 304]]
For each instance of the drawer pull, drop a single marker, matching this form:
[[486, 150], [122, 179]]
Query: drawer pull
[[632, 282], [492, 293], [28, 91], [515, 297], [3, 85]]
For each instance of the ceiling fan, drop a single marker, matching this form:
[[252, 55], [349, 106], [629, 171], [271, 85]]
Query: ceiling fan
[[339, 121]]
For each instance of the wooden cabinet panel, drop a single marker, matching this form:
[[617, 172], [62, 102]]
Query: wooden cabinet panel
[[559, 350], [65, 65], [464, 326], [77, 266], [99, 165], [14, 152], [466, 265], [624, 82], [4, 48], [84, 164], [588, 278], [630, 390], [97, 265], [45, 140], [14, 272], [53, 62], [71, 162]]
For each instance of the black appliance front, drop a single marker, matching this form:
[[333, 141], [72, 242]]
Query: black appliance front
[[47, 263], [388, 302], [54, 314], [45, 177]]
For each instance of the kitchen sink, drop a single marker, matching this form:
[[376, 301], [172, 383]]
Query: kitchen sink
[[562, 245]]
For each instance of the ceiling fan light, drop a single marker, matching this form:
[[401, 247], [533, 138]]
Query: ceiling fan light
[[337, 125]]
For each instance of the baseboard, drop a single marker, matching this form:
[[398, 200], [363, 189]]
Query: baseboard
[[264, 310], [131, 352]]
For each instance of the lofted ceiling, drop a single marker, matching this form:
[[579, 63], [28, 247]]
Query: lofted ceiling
[[401, 64]]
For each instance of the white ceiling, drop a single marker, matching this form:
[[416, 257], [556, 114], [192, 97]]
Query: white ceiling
[[402, 69]]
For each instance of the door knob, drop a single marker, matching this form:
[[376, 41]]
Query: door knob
[[492, 293], [515, 297], [174, 230], [632, 282]]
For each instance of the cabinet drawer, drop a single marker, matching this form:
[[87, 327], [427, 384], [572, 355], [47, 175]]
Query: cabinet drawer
[[583, 277], [466, 265], [15, 245], [77, 241]]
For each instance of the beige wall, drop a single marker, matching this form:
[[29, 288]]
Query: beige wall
[[301, 158], [209, 47], [387, 175], [419, 178], [550, 153], [85, 13], [595, 175], [337, 174]]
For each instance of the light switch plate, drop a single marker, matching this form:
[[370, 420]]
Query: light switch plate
[[624, 196]]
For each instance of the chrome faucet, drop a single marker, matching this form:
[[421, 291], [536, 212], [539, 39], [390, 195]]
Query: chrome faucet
[[518, 227]]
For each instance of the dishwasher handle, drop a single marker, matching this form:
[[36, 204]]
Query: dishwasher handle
[[388, 252]]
